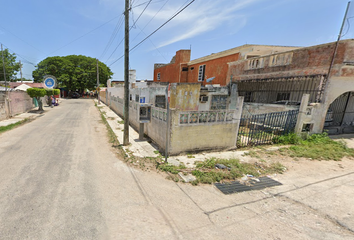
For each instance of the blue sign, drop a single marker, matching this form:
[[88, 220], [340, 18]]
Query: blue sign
[[49, 82]]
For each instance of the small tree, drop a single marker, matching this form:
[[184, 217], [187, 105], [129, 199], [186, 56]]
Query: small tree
[[37, 93]]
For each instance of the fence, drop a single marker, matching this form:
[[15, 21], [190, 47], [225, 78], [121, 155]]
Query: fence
[[261, 129], [288, 90]]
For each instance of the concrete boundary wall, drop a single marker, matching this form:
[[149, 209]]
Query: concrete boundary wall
[[216, 132], [16, 102], [20, 102], [262, 108]]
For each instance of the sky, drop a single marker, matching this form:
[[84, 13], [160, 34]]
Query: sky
[[37, 29]]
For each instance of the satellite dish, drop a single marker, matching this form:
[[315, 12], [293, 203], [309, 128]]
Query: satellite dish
[[210, 79]]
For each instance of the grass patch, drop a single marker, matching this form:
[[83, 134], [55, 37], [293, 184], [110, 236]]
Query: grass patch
[[171, 168], [315, 146], [120, 121], [206, 172], [13, 125]]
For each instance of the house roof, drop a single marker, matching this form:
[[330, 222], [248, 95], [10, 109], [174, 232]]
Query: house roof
[[22, 87], [36, 85], [249, 49]]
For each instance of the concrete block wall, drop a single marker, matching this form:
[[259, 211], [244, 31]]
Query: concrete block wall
[[208, 136], [262, 108], [20, 102], [3, 107]]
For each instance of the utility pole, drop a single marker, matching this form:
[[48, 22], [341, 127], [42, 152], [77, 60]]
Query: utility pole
[[126, 76], [98, 83], [21, 71], [6, 93], [3, 66], [336, 46]]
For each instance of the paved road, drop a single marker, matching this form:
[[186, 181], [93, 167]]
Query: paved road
[[59, 179]]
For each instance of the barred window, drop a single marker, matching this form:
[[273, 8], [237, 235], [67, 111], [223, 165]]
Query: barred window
[[160, 101]]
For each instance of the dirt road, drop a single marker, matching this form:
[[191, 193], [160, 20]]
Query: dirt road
[[59, 179]]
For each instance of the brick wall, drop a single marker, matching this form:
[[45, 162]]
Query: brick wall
[[172, 72], [307, 61], [213, 68]]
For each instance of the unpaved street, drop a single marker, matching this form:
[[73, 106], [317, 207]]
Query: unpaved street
[[59, 179]]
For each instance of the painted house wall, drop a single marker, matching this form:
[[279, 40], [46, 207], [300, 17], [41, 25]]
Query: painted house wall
[[181, 69], [185, 97], [213, 68], [172, 72]]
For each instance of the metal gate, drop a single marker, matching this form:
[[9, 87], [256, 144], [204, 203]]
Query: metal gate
[[262, 128], [340, 115]]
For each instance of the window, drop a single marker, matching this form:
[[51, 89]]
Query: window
[[201, 73], [281, 59], [218, 102], [137, 98], [255, 63], [158, 77], [184, 69], [130, 97], [203, 98], [160, 101], [192, 68]]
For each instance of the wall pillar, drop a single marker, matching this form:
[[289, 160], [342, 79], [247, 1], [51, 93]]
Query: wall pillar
[[302, 113], [237, 116]]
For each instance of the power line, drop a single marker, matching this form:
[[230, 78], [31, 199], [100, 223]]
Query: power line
[[151, 20], [129, 31], [146, 2], [153, 44], [20, 39], [140, 14], [155, 30], [26, 61], [84, 35], [114, 35]]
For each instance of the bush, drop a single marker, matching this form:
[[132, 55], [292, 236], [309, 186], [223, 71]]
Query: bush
[[36, 92], [291, 138]]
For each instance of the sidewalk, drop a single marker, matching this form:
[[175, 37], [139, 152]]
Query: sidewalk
[[144, 149]]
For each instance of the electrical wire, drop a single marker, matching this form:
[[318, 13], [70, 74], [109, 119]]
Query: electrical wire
[[131, 28], [156, 30], [140, 14], [25, 60], [83, 35], [150, 20], [20, 39], [113, 36]]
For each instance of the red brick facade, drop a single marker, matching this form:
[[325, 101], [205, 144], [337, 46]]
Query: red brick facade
[[182, 70], [314, 60]]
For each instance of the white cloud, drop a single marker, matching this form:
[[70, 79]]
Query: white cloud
[[199, 18]]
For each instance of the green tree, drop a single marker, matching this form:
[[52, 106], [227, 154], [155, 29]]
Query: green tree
[[11, 66], [73, 72], [37, 93]]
